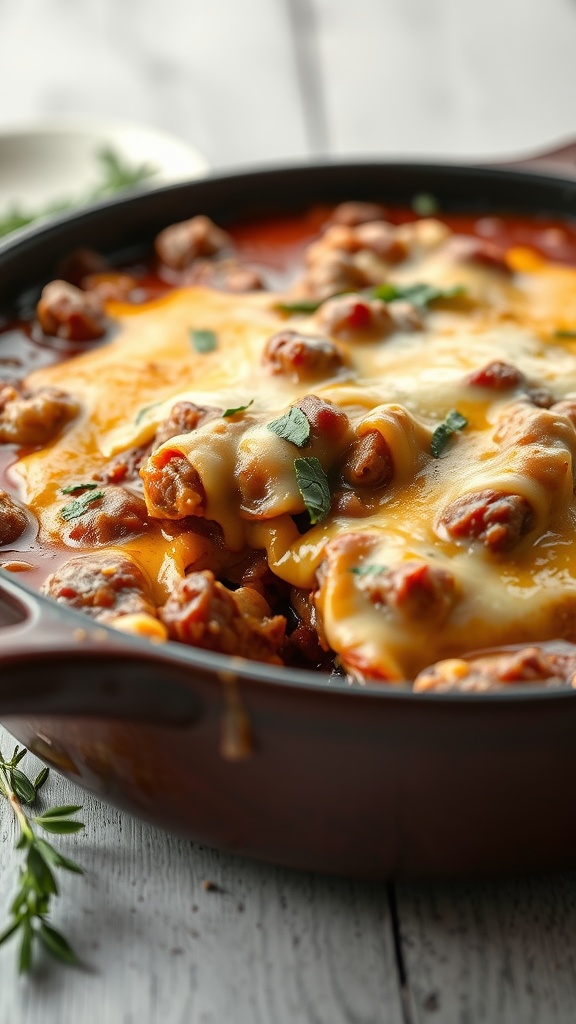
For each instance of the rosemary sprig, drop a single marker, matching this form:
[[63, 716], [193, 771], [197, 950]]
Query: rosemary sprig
[[116, 174], [36, 883]]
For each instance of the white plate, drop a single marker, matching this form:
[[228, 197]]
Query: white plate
[[56, 160]]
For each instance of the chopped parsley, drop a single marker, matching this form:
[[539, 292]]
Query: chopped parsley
[[454, 421], [75, 488], [239, 408], [204, 341], [420, 295], [80, 505], [313, 484], [368, 569], [293, 426]]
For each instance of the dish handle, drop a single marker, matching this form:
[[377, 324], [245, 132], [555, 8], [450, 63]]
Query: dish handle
[[57, 662], [561, 159]]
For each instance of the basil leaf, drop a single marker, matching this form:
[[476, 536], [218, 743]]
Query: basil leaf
[[80, 505], [74, 488], [420, 295], [293, 426], [313, 485], [454, 421], [239, 408], [203, 341]]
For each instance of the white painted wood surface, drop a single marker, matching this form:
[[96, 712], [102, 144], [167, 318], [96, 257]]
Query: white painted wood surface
[[252, 81]]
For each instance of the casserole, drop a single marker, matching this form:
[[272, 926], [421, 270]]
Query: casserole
[[275, 762]]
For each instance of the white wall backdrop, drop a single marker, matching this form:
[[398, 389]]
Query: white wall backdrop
[[262, 80]]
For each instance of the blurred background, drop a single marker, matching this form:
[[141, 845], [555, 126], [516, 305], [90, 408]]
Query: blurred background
[[253, 81]]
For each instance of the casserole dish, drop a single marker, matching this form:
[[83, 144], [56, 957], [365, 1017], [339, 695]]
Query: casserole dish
[[273, 762]]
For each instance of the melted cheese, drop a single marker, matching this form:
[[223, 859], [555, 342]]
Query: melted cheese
[[402, 386]]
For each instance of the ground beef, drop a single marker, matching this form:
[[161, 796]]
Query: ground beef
[[226, 275], [493, 671], [204, 613], [172, 486], [103, 584], [415, 589], [65, 311], [13, 519], [497, 520], [353, 213], [34, 418], [183, 419], [368, 462], [302, 356], [180, 244], [125, 467], [109, 514]]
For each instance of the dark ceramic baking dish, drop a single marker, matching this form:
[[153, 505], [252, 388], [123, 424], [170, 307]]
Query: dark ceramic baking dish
[[282, 764]]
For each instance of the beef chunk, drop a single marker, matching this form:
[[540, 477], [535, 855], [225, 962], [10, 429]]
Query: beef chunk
[[302, 356], [65, 311], [103, 584], [497, 520], [13, 519], [104, 516], [204, 613], [180, 244], [35, 417]]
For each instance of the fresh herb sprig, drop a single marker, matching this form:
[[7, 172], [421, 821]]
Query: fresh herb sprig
[[116, 175], [37, 883], [420, 294], [454, 422]]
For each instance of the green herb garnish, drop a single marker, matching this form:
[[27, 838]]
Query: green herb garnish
[[203, 341], [75, 488], [313, 485], [420, 295], [368, 570], [300, 306], [453, 422], [80, 505], [116, 175], [37, 884], [425, 204], [293, 426], [145, 410], [239, 408]]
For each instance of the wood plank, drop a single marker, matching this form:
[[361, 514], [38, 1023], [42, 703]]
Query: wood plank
[[491, 953], [446, 78], [265, 944], [218, 75]]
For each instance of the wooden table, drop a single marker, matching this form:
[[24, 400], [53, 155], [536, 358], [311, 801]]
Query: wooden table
[[170, 931]]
